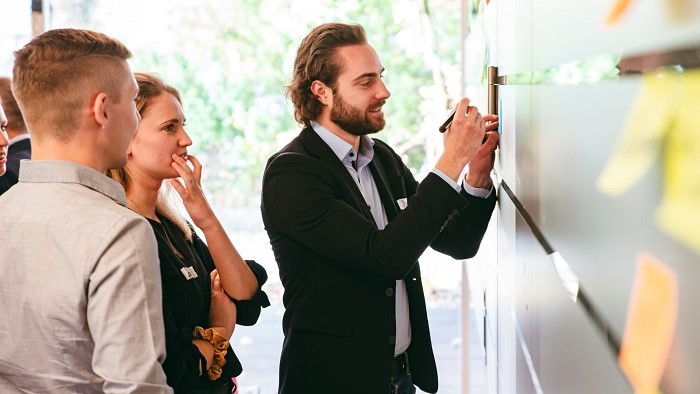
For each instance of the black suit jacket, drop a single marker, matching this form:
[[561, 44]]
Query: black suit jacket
[[18, 151], [339, 271]]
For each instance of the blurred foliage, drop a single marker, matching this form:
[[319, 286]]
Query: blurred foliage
[[232, 59], [587, 71]]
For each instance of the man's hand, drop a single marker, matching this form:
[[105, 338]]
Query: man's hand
[[481, 164], [462, 139]]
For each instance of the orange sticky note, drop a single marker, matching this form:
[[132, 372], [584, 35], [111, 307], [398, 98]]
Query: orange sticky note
[[617, 11], [651, 323]]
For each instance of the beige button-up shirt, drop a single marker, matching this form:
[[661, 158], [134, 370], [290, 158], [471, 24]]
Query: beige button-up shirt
[[80, 290]]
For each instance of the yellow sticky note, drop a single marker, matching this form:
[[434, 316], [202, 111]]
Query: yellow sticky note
[[680, 10], [651, 323], [679, 212], [677, 10], [647, 122], [664, 119]]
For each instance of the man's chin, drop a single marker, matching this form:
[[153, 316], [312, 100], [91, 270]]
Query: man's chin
[[377, 126], [365, 131]]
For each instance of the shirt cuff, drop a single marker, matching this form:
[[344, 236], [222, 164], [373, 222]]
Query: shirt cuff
[[474, 191], [477, 191], [447, 179]]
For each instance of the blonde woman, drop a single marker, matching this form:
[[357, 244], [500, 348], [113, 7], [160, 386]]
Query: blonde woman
[[204, 285]]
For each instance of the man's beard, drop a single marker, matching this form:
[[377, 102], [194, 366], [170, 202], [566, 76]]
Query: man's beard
[[353, 120]]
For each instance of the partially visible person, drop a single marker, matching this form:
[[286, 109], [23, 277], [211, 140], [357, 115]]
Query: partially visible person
[[4, 142], [81, 308], [347, 223], [20, 147], [204, 285]]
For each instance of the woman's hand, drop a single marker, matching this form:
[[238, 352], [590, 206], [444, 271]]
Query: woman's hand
[[222, 319], [188, 186], [222, 312], [237, 278]]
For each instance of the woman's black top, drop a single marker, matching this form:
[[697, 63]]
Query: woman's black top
[[186, 300]]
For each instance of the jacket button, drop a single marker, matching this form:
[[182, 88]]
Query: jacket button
[[391, 340], [389, 292]]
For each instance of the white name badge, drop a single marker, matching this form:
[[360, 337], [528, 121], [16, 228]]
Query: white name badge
[[189, 273], [403, 203]]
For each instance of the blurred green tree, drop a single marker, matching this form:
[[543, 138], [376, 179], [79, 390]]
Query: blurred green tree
[[232, 59]]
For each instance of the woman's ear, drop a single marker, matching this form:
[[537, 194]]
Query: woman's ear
[[323, 93]]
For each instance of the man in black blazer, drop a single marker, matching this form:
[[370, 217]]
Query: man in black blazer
[[347, 222], [20, 147]]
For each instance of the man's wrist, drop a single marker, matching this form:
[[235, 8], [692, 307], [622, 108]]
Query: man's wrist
[[478, 180], [450, 168]]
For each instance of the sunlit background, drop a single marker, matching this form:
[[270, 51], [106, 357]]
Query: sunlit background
[[231, 61]]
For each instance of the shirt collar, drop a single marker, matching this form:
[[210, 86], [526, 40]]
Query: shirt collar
[[342, 149], [59, 171], [19, 137]]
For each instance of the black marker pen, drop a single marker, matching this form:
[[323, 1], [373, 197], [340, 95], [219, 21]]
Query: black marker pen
[[447, 123]]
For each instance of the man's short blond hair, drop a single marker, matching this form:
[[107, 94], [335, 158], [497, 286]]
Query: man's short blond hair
[[58, 72]]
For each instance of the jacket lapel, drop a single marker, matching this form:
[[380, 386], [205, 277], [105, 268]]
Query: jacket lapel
[[380, 180], [319, 149]]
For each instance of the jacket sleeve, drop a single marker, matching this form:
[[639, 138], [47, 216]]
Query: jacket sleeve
[[303, 200], [461, 233], [248, 311]]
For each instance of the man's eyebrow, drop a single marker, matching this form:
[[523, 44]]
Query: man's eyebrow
[[369, 75]]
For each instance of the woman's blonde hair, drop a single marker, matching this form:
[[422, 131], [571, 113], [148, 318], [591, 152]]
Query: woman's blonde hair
[[151, 86]]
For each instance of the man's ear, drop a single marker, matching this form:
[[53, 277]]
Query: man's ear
[[323, 93], [99, 109]]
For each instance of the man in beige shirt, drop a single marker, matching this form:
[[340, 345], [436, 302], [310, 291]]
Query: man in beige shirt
[[80, 289]]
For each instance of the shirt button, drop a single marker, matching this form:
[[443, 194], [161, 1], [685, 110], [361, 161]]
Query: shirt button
[[352, 154], [391, 340], [389, 292]]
